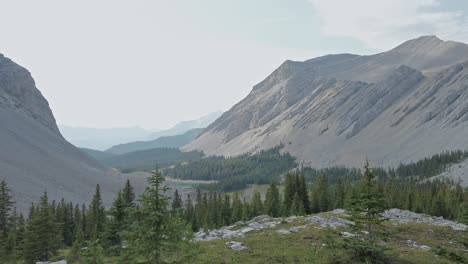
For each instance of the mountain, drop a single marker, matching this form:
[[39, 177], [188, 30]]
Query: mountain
[[145, 160], [400, 105], [97, 154], [162, 142], [102, 138], [34, 156], [184, 126]]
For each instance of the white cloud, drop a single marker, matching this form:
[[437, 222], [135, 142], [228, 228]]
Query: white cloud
[[383, 24]]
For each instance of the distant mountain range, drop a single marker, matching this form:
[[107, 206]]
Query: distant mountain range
[[176, 141], [34, 157], [105, 138], [184, 126], [400, 105], [102, 138]]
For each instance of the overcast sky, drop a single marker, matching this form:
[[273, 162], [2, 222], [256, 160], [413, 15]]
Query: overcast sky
[[153, 63]]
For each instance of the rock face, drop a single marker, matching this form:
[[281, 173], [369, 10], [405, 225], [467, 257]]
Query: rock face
[[400, 105], [34, 156]]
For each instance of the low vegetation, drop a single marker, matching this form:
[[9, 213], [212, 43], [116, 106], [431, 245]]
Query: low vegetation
[[155, 229]]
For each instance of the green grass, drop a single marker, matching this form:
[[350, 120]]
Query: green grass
[[307, 246]]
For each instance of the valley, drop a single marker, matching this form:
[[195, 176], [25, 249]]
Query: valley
[[337, 159]]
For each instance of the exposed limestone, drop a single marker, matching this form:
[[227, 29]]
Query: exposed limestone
[[238, 246], [396, 106], [414, 244], [404, 216]]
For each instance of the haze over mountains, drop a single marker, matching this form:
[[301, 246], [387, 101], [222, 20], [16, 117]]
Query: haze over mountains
[[175, 141], [34, 156], [105, 138], [400, 105]]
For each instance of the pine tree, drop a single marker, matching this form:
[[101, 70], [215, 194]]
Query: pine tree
[[42, 234], [94, 254], [366, 209], [289, 192], [303, 193], [369, 203], [96, 217], [155, 232], [339, 194], [322, 195], [116, 223], [226, 211], [246, 212], [6, 206], [257, 205], [190, 214], [237, 209], [176, 202], [297, 207], [77, 246], [128, 195], [273, 201]]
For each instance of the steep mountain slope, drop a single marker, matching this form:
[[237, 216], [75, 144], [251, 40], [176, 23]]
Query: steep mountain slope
[[34, 157], [184, 126], [176, 141], [400, 105]]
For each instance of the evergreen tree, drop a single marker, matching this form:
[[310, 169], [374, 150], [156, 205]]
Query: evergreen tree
[[154, 232], [6, 206], [78, 241], [303, 193], [128, 195], [226, 211], [237, 209], [273, 201], [176, 202], [297, 207], [42, 234], [366, 209], [368, 204], [289, 192], [116, 223], [94, 254], [96, 217], [323, 195], [190, 214], [257, 205], [339, 194]]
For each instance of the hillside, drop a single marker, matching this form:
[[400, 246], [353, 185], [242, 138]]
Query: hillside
[[401, 105], [34, 156], [97, 154], [176, 141], [412, 238], [146, 160], [184, 126]]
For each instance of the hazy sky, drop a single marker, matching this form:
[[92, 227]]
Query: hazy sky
[[153, 63]]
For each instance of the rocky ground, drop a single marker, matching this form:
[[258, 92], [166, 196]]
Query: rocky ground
[[412, 238]]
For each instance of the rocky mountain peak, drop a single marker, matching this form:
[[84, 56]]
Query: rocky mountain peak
[[338, 109], [18, 92]]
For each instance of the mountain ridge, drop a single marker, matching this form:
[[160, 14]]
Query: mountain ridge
[[338, 109], [35, 157]]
